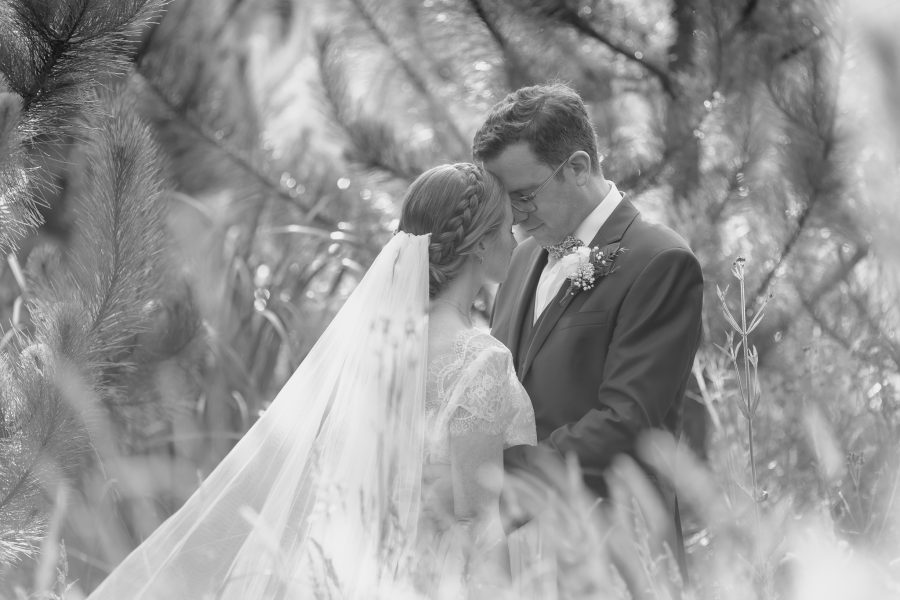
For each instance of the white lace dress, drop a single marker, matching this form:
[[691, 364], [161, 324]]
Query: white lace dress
[[471, 388], [474, 388]]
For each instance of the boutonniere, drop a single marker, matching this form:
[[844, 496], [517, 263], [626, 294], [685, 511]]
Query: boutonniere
[[585, 266]]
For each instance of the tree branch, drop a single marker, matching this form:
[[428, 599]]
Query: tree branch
[[800, 48], [489, 24], [373, 142], [238, 159], [840, 274], [749, 9], [745, 18], [786, 249], [833, 333], [644, 179], [147, 42], [565, 14], [816, 186], [412, 74], [843, 342], [875, 327], [57, 48], [229, 15], [517, 72]]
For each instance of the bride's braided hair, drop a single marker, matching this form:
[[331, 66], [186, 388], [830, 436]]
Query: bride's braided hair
[[459, 205]]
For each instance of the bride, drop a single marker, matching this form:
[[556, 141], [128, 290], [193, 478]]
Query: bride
[[324, 495]]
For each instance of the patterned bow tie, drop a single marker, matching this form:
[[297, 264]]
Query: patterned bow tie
[[564, 247]]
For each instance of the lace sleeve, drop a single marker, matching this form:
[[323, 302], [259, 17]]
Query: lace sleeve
[[482, 401]]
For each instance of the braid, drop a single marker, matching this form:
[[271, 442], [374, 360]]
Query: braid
[[447, 244], [454, 204]]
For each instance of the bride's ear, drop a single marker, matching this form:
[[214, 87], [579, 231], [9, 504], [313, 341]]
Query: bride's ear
[[480, 251]]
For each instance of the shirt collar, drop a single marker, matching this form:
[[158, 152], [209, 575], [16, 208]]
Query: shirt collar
[[594, 221]]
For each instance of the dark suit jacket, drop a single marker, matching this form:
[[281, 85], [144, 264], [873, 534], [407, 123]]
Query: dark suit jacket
[[607, 363]]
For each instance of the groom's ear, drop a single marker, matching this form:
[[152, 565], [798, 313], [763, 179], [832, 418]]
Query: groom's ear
[[581, 166]]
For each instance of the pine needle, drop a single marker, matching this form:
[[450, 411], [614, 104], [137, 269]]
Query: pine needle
[[53, 54]]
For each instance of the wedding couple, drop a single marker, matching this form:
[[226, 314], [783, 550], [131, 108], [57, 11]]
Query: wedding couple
[[593, 334]]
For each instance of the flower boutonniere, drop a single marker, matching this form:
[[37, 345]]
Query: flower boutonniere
[[585, 266]]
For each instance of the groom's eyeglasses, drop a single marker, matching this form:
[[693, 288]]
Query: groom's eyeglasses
[[524, 203]]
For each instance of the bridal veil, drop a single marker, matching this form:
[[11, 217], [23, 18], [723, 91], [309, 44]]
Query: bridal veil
[[321, 497]]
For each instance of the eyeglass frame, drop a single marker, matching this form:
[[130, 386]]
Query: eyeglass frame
[[528, 199]]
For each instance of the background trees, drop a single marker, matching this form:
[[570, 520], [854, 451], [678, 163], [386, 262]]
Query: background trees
[[213, 177]]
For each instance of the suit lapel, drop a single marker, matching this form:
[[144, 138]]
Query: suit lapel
[[616, 225], [610, 233], [534, 264]]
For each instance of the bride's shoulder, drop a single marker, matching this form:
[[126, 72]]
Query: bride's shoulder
[[466, 345], [483, 338], [476, 341]]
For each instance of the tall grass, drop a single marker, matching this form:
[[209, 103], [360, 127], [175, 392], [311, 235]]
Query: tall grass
[[752, 546]]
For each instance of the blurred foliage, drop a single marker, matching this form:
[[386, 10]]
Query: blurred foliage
[[276, 138]]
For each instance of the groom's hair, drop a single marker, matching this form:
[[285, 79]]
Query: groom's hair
[[551, 119], [459, 205]]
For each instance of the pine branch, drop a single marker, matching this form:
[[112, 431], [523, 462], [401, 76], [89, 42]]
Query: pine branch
[[198, 129], [190, 98], [437, 107], [648, 177], [91, 315], [748, 10], [640, 181], [817, 125], [517, 71], [787, 247], [799, 48], [744, 21], [811, 300], [44, 444], [87, 325], [374, 143], [121, 217], [52, 54], [840, 274], [58, 51], [18, 214], [810, 307], [230, 13], [146, 42], [877, 329], [489, 24], [562, 12]]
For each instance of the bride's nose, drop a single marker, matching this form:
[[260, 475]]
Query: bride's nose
[[519, 217]]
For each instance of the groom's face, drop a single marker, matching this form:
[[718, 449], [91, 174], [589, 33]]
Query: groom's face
[[550, 214]]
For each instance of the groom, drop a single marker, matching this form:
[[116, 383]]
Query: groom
[[607, 361]]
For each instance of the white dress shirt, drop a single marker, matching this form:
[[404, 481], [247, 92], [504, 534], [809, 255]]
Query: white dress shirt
[[552, 277]]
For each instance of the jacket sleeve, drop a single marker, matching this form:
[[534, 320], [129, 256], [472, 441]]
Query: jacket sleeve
[[648, 363]]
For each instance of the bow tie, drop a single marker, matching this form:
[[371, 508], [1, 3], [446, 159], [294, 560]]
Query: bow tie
[[564, 247]]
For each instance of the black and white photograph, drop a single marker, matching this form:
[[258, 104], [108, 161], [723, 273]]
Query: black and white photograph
[[449, 299]]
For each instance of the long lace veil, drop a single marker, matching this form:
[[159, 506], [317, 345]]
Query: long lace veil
[[321, 497]]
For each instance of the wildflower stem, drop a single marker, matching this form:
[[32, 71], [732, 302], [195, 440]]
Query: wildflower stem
[[748, 396]]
